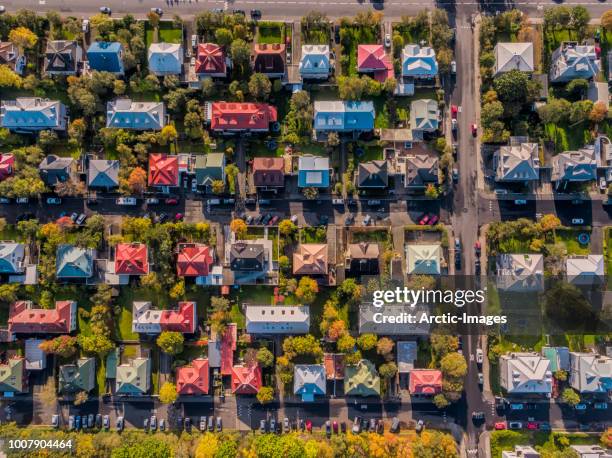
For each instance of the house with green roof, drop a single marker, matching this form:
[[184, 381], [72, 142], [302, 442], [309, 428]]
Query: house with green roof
[[362, 379], [80, 376], [134, 378], [208, 168], [74, 263], [12, 377]]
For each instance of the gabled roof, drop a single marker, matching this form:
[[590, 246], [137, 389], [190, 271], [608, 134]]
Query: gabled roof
[[193, 378], [269, 171], [9, 55], [165, 58], [575, 166], [513, 56], [103, 173], [134, 377], [315, 61], [163, 170], [62, 56], [74, 262], [313, 171], [343, 116], [309, 381], [590, 372], [423, 259], [362, 380], [520, 272], [424, 115], [32, 113], [105, 56], [147, 320], [242, 116], [35, 358], [194, 260], [269, 59], [373, 174], [24, 318], [246, 379], [210, 60], [7, 165], [520, 162], [209, 167], [419, 170], [12, 376], [425, 381], [363, 258], [54, 169], [12, 256], [126, 114], [419, 61], [524, 373], [571, 61], [310, 259], [77, 377], [373, 58], [247, 256], [406, 355], [131, 259], [277, 319], [364, 250], [585, 269]]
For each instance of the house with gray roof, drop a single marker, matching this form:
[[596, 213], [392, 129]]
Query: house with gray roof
[[572, 61], [126, 114], [76, 377], [574, 166], [12, 257], [424, 116], [518, 162], [585, 270], [520, 272], [208, 168], [74, 263], [513, 56], [525, 373], [133, 378], [590, 372], [31, 114], [277, 319], [598, 92], [35, 358], [309, 381], [591, 451], [406, 355], [419, 170], [103, 174], [63, 57], [165, 59], [373, 175], [55, 169]]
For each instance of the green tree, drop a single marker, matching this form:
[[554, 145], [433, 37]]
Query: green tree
[[440, 401], [345, 343], [491, 112], [223, 36], [579, 18], [97, 344], [260, 86], [569, 396], [217, 186], [431, 192], [511, 86], [265, 395], [307, 290], [367, 341], [388, 370], [167, 393], [453, 365], [580, 111], [287, 228], [577, 88], [23, 38], [171, 342], [443, 344], [265, 357], [241, 54], [556, 111], [8, 78]]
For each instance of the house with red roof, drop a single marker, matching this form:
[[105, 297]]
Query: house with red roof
[[373, 60], [147, 320], [7, 165], [270, 59], [131, 259], [231, 117], [268, 172], [221, 349], [194, 260], [24, 318], [163, 170], [211, 61], [425, 382], [246, 379], [193, 379]]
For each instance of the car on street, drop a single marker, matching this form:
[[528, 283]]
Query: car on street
[[328, 430], [187, 424], [424, 220], [90, 420], [85, 26], [286, 427], [457, 244], [309, 426], [211, 423], [105, 10], [255, 14], [454, 125], [516, 406], [480, 379], [272, 425], [387, 40], [119, 424], [500, 425], [356, 429], [145, 424], [602, 184], [544, 426], [274, 220], [419, 426], [580, 406], [433, 219], [477, 248], [372, 425], [153, 423], [106, 422], [335, 427], [55, 421], [453, 67], [395, 425], [98, 421], [474, 130], [515, 425], [455, 176], [157, 11], [454, 111], [479, 356], [162, 424], [219, 424], [577, 221], [600, 405], [71, 422], [367, 220], [532, 425], [266, 219], [262, 426]]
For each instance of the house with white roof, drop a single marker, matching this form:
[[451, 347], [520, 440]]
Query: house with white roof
[[517, 162], [591, 451], [309, 381], [423, 259], [574, 166], [590, 372], [127, 114], [419, 62], [525, 373], [587, 269], [513, 56], [521, 451], [520, 272], [572, 61], [315, 63], [424, 116], [277, 319]]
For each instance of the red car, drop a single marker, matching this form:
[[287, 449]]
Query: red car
[[500, 425], [532, 425], [433, 219], [273, 221], [454, 111], [309, 426], [178, 216], [423, 220], [335, 427], [171, 201], [474, 130]]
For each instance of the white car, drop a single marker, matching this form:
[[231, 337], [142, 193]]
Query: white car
[[577, 221], [152, 200], [602, 184], [194, 41], [480, 378], [85, 25], [479, 356], [453, 67], [387, 41], [22, 200], [126, 201]]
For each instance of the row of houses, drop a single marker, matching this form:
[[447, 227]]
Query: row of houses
[[582, 451]]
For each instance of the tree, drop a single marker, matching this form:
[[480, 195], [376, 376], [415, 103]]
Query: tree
[[350, 291], [440, 401], [8, 78], [148, 447], [606, 20], [511, 86], [491, 112], [453, 365], [606, 437], [560, 375], [443, 343], [217, 186], [556, 111], [208, 446], [23, 38], [384, 346], [178, 290], [580, 111], [579, 18], [98, 344], [64, 346], [431, 192], [137, 181], [367, 341], [307, 290], [171, 342], [8, 292], [167, 393], [241, 54], [260, 86], [599, 111], [265, 395], [69, 187], [310, 193], [287, 228], [239, 228], [336, 329], [265, 358], [223, 37], [577, 88], [80, 398], [168, 134], [569, 396], [345, 343], [549, 222], [388, 370], [333, 139]]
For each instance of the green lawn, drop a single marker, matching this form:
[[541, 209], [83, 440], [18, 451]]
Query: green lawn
[[569, 237], [371, 153], [606, 45], [568, 138], [315, 36], [313, 234], [381, 236], [515, 245], [168, 33], [353, 36], [270, 32], [548, 442]]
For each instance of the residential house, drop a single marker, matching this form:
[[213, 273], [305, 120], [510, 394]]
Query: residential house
[[12, 258], [424, 117], [25, 319], [585, 270], [12, 57], [313, 172], [518, 162], [131, 259], [591, 451], [31, 114], [343, 117], [315, 63], [598, 92], [520, 272], [165, 59], [521, 451], [13, 378], [133, 378], [63, 57], [525, 373], [7, 165], [211, 61], [309, 381], [572, 61], [74, 263], [423, 259], [371, 320], [590, 372], [397, 141], [35, 358], [208, 168], [106, 56], [406, 356], [163, 170], [268, 172], [373, 175], [310, 259], [77, 377], [54, 169], [419, 171], [269, 59], [193, 379], [277, 319], [513, 56], [251, 261], [221, 349], [147, 320], [374, 61], [574, 166], [425, 382], [234, 117], [418, 64], [103, 174], [334, 366], [125, 114], [195, 260], [246, 379], [361, 379], [363, 258]]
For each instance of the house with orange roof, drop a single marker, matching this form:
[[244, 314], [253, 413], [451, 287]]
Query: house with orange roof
[[246, 379], [131, 259], [221, 349], [233, 117], [310, 259], [194, 260], [373, 60], [269, 59], [163, 170], [147, 320], [426, 382], [24, 318], [211, 61], [193, 379], [268, 173]]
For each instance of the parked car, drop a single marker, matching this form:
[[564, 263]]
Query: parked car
[[286, 426], [380, 426], [516, 406], [545, 426], [202, 424], [339, 202], [211, 423], [500, 425], [479, 356], [77, 422], [273, 221], [162, 424], [395, 425], [453, 67], [151, 200], [367, 220], [219, 424], [74, 217], [119, 424], [515, 425], [106, 422], [374, 202], [4, 200], [600, 405], [265, 202], [581, 406], [145, 424], [532, 425], [55, 421], [480, 379], [577, 221], [520, 202], [328, 430], [22, 200], [457, 244], [356, 429], [309, 426], [602, 184], [255, 14], [474, 130], [81, 219], [105, 10], [71, 422], [273, 425], [343, 427], [98, 420], [157, 11], [126, 201], [91, 420], [419, 426], [433, 219], [85, 26], [349, 220], [455, 175], [188, 424]]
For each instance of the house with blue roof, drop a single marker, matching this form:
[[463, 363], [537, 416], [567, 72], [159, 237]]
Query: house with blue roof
[[572, 61], [574, 166], [343, 117], [309, 381], [126, 114], [313, 172], [103, 174], [106, 56], [165, 59], [315, 63], [74, 263], [31, 114], [419, 62], [12, 256]]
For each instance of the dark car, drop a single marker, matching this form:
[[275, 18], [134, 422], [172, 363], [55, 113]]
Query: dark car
[[90, 420], [343, 427], [457, 262], [337, 34], [77, 422], [219, 424], [266, 219], [255, 14], [262, 426], [188, 424], [98, 420], [302, 425], [328, 430], [372, 425], [211, 423]]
